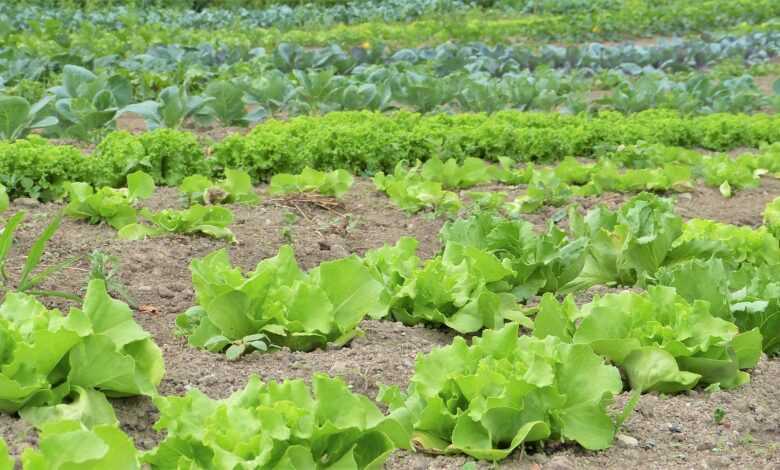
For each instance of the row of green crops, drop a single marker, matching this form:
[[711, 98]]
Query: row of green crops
[[633, 18], [364, 143], [678, 334], [179, 63], [87, 106], [624, 169]]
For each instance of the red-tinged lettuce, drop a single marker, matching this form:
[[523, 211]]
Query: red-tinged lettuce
[[278, 304], [487, 399], [663, 342], [65, 445], [276, 426]]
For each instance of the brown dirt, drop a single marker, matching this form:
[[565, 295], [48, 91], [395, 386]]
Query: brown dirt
[[156, 273]]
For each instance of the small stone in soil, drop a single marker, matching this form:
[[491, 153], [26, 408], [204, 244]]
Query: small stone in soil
[[624, 440], [165, 293], [675, 428]]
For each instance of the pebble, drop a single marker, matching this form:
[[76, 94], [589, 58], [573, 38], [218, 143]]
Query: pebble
[[675, 428], [26, 202], [624, 440], [165, 293], [559, 462]]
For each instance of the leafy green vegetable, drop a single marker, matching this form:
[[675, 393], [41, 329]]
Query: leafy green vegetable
[[235, 188], [114, 206], [541, 263], [6, 462], [69, 444], [663, 342], [4, 201], [412, 193], [465, 288], [627, 246], [18, 117], [748, 296], [544, 188], [45, 356], [487, 399], [276, 426], [734, 244], [333, 183], [175, 106], [278, 304], [209, 220], [34, 341], [771, 217], [116, 355]]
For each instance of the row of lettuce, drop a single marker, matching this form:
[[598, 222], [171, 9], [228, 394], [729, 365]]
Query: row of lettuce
[[364, 143], [709, 307], [87, 106], [630, 20]]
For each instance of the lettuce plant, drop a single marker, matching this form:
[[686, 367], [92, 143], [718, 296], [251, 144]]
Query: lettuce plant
[[100, 346], [276, 426], [627, 246], [278, 304], [466, 289], [69, 444], [114, 206], [332, 183], [772, 217], [663, 342], [748, 296], [208, 220], [541, 263], [6, 462], [502, 391], [236, 187], [412, 193]]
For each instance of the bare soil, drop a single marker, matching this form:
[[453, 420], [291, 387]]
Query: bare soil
[[665, 432]]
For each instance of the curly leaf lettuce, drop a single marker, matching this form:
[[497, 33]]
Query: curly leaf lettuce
[[663, 342], [276, 426], [487, 399], [627, 246], [465, 288], [208, 220], [235, 188], [33, 343]]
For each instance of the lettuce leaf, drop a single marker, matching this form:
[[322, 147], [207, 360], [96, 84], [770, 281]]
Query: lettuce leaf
[[333, 183], [69, 444], [278, 304], [663, 342], [487, 399], [276, 426]]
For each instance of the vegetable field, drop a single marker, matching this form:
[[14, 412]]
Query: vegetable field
[[391, 234]]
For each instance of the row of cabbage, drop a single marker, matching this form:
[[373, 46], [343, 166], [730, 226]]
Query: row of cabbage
[[675, 335], [208, 60], [493, 26], [86, 106]]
